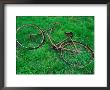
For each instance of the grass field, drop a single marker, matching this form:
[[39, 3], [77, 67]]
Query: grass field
[[45, 60]]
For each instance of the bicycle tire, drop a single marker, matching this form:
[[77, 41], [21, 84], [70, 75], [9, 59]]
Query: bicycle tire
[[74, 58], [30, 36]]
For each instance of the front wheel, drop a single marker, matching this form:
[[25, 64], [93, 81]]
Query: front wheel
[[76, 54], [29, 36]]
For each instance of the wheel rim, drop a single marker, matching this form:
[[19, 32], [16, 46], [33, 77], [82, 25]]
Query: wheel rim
[[29, 36]]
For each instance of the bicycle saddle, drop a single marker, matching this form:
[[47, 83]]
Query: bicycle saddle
[[69, 34]]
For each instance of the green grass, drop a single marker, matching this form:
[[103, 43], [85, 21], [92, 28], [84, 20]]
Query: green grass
[[45, 60]]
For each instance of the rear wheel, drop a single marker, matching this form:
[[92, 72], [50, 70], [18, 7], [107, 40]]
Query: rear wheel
[[77, 54], [29, 36]]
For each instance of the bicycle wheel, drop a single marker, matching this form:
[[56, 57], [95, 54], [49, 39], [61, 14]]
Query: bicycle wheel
[[76, 54], [29, 36]]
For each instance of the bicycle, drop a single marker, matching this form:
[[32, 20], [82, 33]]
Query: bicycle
[[73, 53]]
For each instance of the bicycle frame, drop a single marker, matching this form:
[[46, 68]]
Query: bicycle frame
[[57, 46]]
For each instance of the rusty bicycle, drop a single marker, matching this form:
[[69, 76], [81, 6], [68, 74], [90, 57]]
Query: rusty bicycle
[[73, 53]]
